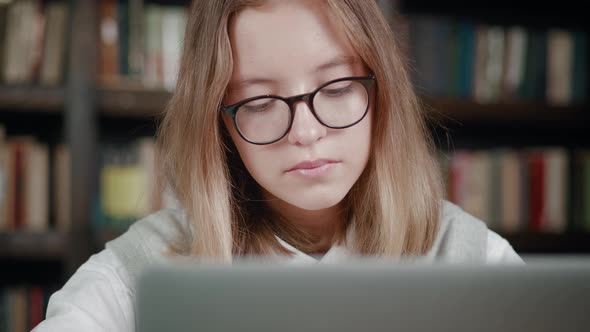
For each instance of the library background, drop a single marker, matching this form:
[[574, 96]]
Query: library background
[[83, 83]]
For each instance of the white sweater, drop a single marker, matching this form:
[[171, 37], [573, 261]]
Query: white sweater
[[100, 296]]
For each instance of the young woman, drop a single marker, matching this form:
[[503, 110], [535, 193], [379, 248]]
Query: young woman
[[293, 134]]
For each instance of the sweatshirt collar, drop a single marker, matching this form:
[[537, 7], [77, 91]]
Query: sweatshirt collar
[[338, 253]]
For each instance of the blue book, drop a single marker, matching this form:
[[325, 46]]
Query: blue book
[[466, 59]]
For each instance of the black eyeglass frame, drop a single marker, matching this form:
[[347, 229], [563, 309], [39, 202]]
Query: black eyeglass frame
[[367, 81]]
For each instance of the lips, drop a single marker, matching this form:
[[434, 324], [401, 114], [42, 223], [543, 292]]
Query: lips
[[312, 164]]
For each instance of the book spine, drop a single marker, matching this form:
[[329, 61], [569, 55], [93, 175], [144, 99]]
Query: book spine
[[109, 42], [537, 179]]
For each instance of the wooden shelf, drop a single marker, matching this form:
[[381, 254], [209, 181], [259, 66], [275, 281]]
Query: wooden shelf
[[132, 102], [49, 245], [32, 98], [523, 243], [53, 245], [540, 243], [457, 111], [138, 102]]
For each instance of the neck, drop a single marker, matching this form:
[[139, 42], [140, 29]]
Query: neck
[[320, 225]]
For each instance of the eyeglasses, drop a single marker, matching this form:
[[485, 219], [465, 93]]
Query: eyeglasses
[[337, 104]]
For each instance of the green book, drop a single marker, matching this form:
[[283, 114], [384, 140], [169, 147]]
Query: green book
[[136, 38], [534, 86], [580, 70], [123, 25]]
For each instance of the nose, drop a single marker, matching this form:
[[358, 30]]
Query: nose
[[305, 129]]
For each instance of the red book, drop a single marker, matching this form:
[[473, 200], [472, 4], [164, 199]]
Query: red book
[[18, 217], [35, 306], [537, 190]]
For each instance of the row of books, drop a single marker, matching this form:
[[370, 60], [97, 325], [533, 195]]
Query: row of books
[[35, 185], [33, 39], [28, 174], [22, 308], [542, 189], [140, 42], [491, 63]]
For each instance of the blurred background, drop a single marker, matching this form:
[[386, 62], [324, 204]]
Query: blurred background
[[82, 84]]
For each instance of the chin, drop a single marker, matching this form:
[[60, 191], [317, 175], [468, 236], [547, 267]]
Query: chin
[[315, 202]]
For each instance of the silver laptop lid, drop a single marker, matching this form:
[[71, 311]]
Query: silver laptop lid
[[545, 295]]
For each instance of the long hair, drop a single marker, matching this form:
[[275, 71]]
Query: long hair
[[395, 204]]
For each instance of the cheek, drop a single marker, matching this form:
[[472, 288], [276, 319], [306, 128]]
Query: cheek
[[256, 158], [241, 145], [362, 137]]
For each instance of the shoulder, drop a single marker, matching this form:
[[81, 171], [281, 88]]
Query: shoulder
[[152, 239], [464, 238], [157, 232], [499, 250], [100, 295], [97, 297]]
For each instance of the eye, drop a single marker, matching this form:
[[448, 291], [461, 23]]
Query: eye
[[337, 91], [258, 106]]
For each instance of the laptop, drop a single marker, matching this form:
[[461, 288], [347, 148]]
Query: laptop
[[546, 294]]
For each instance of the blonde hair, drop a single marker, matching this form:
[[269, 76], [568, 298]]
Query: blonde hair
[[395, 205]]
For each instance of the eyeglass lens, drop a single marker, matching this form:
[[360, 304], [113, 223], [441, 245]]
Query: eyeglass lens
[[337, 105]]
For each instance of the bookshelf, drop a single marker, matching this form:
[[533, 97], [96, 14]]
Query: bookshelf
[[520, 113], [44, 99], [84, 110], [551, 244], [487, 77], [132, 102], [51, 245]]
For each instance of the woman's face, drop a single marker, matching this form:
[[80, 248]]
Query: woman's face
[[288, 48]]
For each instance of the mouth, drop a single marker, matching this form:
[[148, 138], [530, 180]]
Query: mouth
[[308, 165]]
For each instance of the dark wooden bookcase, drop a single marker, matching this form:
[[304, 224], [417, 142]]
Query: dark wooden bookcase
[[81, 105]]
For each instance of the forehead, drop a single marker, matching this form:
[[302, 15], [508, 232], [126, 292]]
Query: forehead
[[283, 39]]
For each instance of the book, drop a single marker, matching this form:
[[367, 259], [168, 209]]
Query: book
[[481, 92], [173, 23], [54, 51], [580, 68], [3, 24], [465, 62], [422, 32], [556, 190], [109, 42], [62, 188], [514, 190], [560, 59], [511, 189], [153, 67], [36, 190], [514, 68], [537, 169], [136, 39], [128, 183]]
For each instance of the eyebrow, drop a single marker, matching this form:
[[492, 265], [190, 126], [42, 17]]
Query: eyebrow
[[248, 82], [338, 61], [341, 60]]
